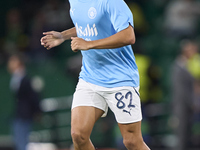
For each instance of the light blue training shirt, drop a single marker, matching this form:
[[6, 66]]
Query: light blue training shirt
[[98, 19]]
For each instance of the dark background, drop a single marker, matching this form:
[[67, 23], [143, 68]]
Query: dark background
[[21, 25]]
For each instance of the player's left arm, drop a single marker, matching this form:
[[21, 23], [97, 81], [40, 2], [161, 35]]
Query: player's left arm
[[120, 39]]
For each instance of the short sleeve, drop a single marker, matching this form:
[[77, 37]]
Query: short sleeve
[[120, 15]]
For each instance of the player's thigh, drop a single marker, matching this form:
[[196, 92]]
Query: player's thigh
[[131, 131], [83, 119]]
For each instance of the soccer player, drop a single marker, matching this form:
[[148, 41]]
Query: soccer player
[[109, 76]]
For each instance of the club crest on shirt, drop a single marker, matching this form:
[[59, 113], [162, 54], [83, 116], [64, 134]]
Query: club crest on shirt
[[92, 12]]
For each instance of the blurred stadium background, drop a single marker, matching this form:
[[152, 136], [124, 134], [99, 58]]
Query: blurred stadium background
[[54, 73]]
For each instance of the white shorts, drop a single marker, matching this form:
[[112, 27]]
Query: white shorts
[[123, 101]]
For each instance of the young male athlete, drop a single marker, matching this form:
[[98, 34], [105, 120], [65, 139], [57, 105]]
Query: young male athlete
[[109, 76]]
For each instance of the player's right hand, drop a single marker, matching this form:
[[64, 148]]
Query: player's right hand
[[51, 39]]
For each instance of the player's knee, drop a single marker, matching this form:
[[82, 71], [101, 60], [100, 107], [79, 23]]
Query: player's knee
[[132, 144], [129, 143], [79, 138]]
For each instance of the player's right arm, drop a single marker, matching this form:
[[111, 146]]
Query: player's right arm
[[54, 38]]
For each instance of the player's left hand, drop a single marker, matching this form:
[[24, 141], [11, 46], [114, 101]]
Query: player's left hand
[[79, 44]]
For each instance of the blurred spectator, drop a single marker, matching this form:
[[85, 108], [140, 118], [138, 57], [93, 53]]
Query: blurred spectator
[[196, 131], [183, 95], [26, 101], [181, 18], [15, 39], [194, 62], [197, 100], [194, 68]]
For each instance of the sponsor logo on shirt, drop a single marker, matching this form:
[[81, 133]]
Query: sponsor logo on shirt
[[92, 13], [87, 31]]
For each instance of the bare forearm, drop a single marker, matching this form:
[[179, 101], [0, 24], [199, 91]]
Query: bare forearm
[[122, 38], [67, 34]]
